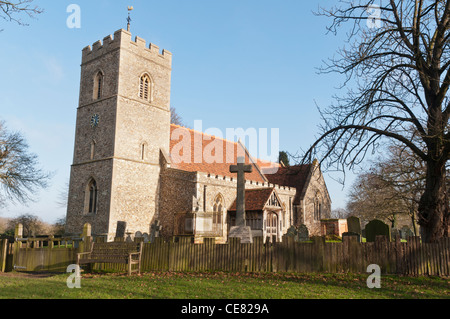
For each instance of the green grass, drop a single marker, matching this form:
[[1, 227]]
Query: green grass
[[222, 286]]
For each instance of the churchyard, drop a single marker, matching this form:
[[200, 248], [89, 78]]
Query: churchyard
[[298, 267]]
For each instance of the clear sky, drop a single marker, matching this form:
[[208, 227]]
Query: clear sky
[[249, 64]]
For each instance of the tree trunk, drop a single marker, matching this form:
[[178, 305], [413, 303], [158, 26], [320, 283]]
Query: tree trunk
[[433, 206], [414, 222]]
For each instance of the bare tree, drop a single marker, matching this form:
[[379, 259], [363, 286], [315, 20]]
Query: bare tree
[[12, 10], [20, 177], [63, 196], [175, 118], [32, 225], [397, 68], [372, 197], [59, 226]]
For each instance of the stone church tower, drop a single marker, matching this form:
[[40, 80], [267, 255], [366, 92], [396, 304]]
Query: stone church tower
[[122, 128]]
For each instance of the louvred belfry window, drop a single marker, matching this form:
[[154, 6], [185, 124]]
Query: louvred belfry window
[[98, 86], [145, 87]]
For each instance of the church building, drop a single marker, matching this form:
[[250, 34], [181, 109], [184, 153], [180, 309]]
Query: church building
[[132, 167]]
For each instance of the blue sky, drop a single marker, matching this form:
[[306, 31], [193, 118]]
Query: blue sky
[[249, 64]]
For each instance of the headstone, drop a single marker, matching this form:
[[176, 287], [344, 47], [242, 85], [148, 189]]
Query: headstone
[[349, 234], [292, 232], [377, 228], [354, 225], [121, 229], [395, 234], [406, 232], [138, 235], [129, 239], [303, 233], [241, 230], [146, 238], [154, 230]]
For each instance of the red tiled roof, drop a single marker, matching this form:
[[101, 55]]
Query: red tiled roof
[[201, 146], [292, 176], [255, 199]]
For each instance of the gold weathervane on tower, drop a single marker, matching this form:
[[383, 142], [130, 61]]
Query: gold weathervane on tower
[[129, 18]]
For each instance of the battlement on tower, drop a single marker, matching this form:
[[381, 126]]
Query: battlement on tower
[[122, 39]]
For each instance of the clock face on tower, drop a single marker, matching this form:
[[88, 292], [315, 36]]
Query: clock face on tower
[[94, 120]]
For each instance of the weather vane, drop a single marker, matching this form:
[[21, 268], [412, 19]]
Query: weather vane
[[129, 18]]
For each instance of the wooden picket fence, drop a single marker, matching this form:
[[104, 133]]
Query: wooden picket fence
[[405, 258], [411, 258]]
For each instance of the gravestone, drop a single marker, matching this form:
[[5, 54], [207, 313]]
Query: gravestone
[[303, 233], [348, 234], [406, 232], [241, 230], [354, 225], [395, 234], [292, 232], [154, 230], [377, 228], [121, 229], [129, 239]]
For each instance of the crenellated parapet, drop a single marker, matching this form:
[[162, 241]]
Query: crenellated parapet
[[123, 39], [252, 184]]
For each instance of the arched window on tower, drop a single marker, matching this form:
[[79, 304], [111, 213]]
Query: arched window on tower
[[98, 85], [91, 197], [145, 86]]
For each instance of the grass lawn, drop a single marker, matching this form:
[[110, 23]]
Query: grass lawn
[[220, 286]]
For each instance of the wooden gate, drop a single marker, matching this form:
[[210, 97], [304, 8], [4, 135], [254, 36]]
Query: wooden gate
[[44, 254]]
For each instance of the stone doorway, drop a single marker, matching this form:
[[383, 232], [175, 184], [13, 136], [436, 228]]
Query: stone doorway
[[272, 226]]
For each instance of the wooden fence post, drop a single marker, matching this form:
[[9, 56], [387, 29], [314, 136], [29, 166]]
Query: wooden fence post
[[18, 234], [319, 253], [86, 238], [3, 254], [18, 231]]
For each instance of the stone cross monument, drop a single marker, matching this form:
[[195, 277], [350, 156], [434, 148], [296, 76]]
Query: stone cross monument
[[241, 230]]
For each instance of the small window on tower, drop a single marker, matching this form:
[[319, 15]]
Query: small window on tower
[[91, 197], [98, 86], [145, 87], [92, 149], [143, 151]]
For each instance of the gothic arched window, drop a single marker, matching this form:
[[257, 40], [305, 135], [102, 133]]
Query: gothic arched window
[[145, 86], [92, 197], [218, 204], [218, 207], [98, 85]]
